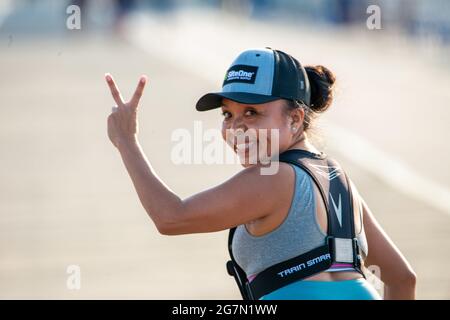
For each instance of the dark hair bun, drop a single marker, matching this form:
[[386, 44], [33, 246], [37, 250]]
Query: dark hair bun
[[322, 82]]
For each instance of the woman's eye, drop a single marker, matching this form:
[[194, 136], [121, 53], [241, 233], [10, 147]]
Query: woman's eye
[[250, 112], [226, 114]]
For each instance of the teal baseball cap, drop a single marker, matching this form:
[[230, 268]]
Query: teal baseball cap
[[258, 76]]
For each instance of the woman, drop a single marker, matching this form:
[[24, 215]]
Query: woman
[[277, 215]]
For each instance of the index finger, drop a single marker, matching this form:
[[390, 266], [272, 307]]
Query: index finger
[[138, 92], [114, 90]]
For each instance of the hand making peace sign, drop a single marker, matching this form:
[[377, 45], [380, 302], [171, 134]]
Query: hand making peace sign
[[123, 122]]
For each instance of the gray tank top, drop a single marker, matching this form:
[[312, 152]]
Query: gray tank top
[[299, 233]]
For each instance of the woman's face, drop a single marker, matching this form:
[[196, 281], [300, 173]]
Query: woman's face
[[242, 124]]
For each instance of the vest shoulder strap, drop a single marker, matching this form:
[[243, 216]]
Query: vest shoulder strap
[[334, 188]]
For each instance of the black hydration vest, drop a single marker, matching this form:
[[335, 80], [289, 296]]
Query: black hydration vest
[[341, 245]]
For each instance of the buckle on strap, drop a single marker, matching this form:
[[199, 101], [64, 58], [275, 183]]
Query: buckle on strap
[[345, 250], [230, 268]]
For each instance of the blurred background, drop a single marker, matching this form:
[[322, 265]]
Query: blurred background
[[66, 199]]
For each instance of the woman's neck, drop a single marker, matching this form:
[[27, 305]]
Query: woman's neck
[[304, 143]]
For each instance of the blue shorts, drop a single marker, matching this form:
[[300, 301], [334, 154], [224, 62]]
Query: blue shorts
[[355, 289]]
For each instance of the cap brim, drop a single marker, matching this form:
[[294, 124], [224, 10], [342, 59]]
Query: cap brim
[[214, 100]]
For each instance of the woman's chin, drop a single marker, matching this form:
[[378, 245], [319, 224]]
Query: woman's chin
[[248, 161]]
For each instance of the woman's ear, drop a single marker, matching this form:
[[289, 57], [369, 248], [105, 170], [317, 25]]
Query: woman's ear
[[296, 119]]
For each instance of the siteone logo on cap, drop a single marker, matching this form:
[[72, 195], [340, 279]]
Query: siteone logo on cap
[[240, 73]]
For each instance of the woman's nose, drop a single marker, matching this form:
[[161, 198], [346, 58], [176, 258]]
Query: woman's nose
[[238, 123]]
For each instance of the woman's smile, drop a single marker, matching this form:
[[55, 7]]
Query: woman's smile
[[244, 147]]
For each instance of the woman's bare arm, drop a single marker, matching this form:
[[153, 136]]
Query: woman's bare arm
[[396, 273], [239, 200]]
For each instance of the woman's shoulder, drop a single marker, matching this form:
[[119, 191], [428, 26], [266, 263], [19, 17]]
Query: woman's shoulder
[[276, 172], [276, 182]]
